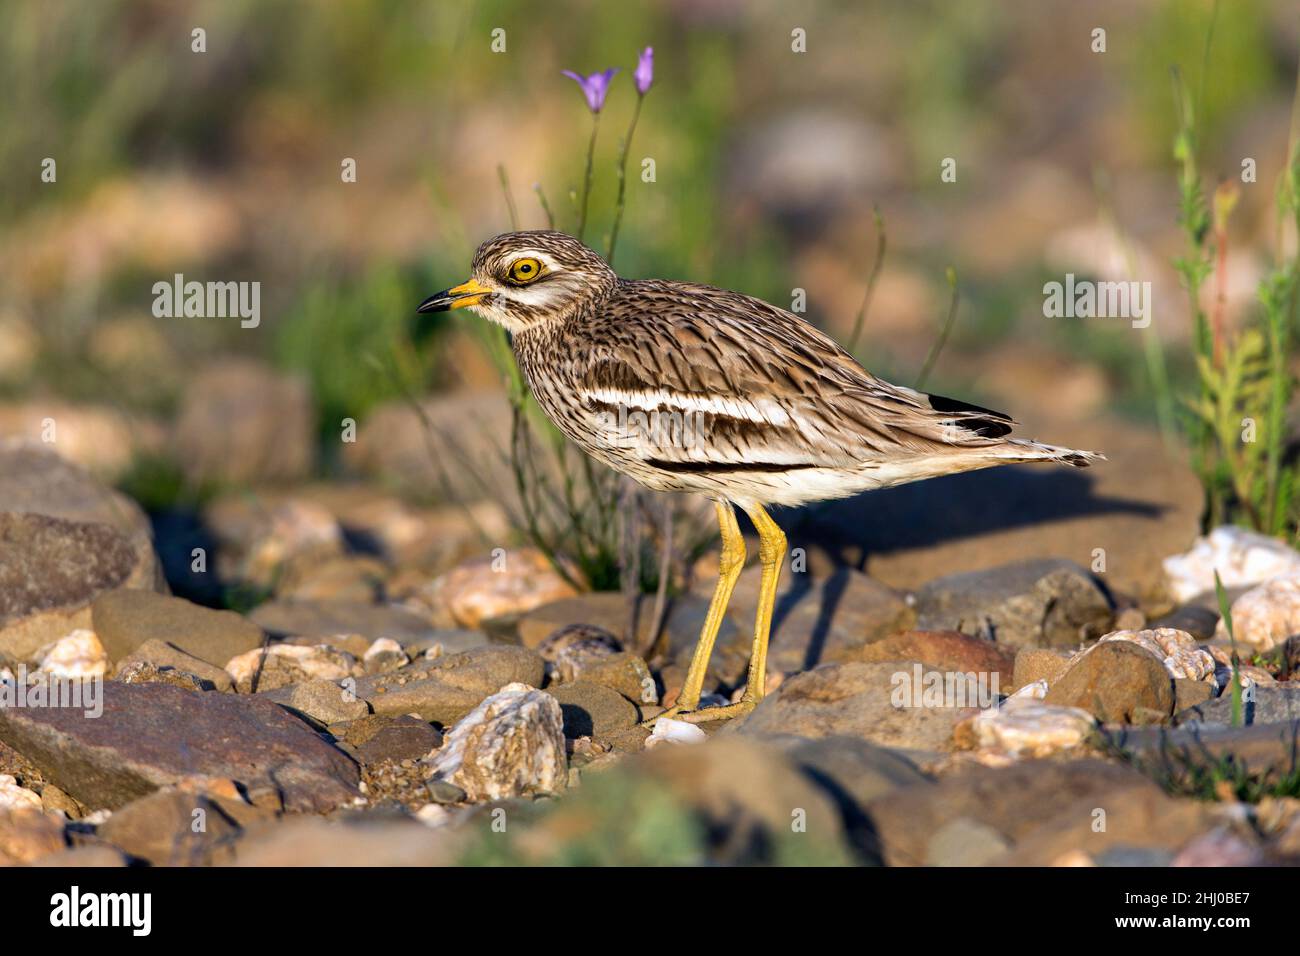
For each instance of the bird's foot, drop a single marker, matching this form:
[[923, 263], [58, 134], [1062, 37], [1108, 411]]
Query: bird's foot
[[705, 714]]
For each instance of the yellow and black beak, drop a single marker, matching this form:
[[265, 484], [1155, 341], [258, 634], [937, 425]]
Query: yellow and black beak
[[467, 293]]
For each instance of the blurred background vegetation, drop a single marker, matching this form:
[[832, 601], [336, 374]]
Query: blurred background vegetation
[[225, 165]]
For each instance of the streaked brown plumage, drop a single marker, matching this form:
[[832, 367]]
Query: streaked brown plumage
[[690, 388]]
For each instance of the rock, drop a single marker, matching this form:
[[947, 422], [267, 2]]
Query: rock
[[852, 773], [76, 656], [315, 842], [14, 797], [1220, 847], [348, 577], [1177, 649], [1266, 616], [1042, 810], [486, 588], [1039, 663], [274, 543], [325, 702], [36, 480], [142, 672], [625, 673], [281, 665], [857, 700], [1041, 603], [1195, 620], [1190, 693], [325, 619], [510, 745], [384, 655], [28, 834], [126, 619], [50, 571], [171, 827], [82, 857], [1261, 748], [593, 710], [746, 793], [1023, 726], [241, 423], [943, 650], [816, 620], [1242, 558], [104, 441], [375, 739], [168, 659], [1271, 704], [1117, 682], [569, 649], [445, 689], [151, 736], [965, 842], [441, 641]]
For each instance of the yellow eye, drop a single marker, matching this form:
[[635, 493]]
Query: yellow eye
[[524, 271]]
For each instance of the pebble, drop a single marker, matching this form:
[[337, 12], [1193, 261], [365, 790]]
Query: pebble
[[13, 796], [1242, 558], [282, 664], [1179, 650], [1265, 616], [77, 656], [669, 731], [510, 745]]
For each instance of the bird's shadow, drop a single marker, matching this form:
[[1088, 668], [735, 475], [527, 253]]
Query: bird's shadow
[[927, 513]]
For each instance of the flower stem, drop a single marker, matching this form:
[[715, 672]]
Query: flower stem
[[622, 181], [586, 177]]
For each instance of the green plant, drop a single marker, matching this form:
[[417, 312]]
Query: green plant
[[1237, 416]]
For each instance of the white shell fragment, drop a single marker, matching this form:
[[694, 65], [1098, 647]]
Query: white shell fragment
[[1241, 557], [77, 656], [1181, 654], [669, 731], [1266, 616]]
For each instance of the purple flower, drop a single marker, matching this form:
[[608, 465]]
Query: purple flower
[[645, 70], [594, 87]]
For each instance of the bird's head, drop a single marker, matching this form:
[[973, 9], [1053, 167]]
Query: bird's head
[[523, 279]]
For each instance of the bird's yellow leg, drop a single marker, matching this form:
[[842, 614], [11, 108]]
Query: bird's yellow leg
[[771, 552], [730, 564]]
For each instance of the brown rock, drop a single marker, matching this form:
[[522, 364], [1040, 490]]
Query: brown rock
[[167, 658], [445, 689], [151, 736], [1039, 663], [126, 619], [170, 828], [1117, 682], [27, 835], [500, 587], [593, 710], [942, 650]]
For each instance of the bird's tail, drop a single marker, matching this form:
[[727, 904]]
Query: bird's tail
[[1026, 449]]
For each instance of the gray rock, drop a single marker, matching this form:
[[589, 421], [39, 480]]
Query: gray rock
[[375, 738], [1200, 622], [852, 699], [593, 710], [50, 571], [167, 658], [1117, 682], [445, 689], [325, 702], [1260, 747], [965, 842], [126, 619], [1040, 603], [151, 736], [511, 745], [170, 828], [36, 480], [1272, 704]]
